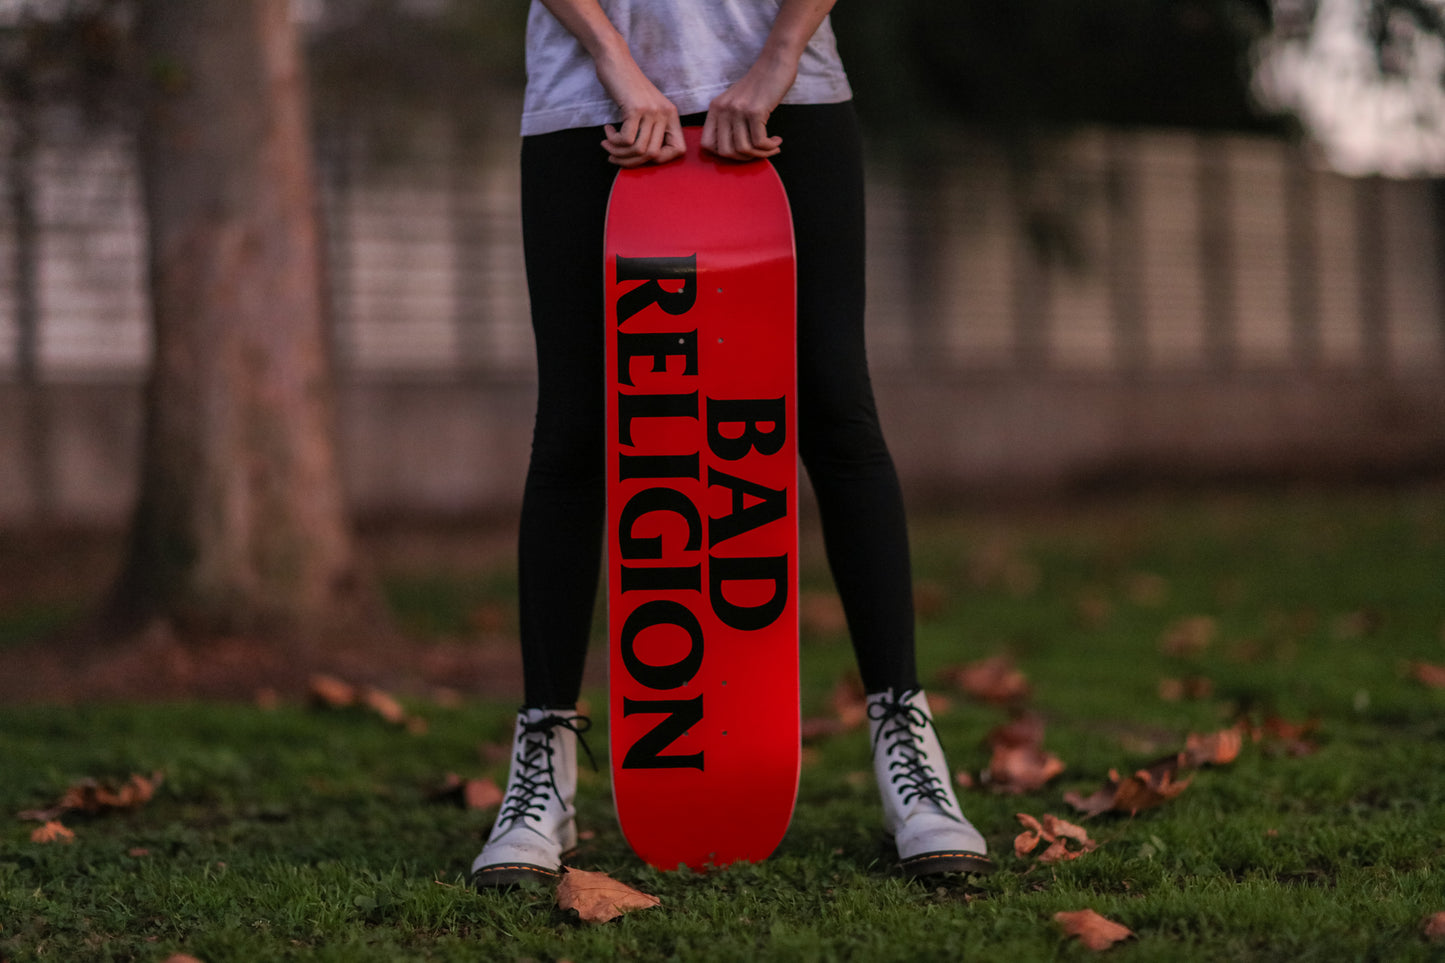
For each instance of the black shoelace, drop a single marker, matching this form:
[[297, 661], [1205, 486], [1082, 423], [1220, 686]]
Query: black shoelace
[[902, 729], [533, 777]]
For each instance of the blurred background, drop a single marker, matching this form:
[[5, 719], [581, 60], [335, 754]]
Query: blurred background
[[1111, 241]]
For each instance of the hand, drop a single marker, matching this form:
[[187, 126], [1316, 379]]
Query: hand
[[651, 132], [737, 119]]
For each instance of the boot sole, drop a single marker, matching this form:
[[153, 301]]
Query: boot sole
[[513, 874], [938, 864]]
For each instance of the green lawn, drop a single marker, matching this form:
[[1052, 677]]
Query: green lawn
[[303, 834]]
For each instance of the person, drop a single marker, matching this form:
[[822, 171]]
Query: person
[[610, 84]]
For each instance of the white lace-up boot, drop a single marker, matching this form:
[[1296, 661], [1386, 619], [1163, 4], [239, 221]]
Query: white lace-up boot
[[920, 809], [537, 823]]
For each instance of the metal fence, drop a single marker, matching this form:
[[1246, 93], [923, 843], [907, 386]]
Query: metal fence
[[1102, 257]]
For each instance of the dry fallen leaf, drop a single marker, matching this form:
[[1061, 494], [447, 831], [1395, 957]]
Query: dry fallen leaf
[[385, 705], [52, 832], [1428, 674], [1293, 738], [1191, 688], [995, 679], [1435, 926], [468, 793], [93, 796], [598, 897], [181, 958], [1024, 729], [1057, 833], [1147, 789], [1099, 801], [1188, 636], [329, 692], [1093, 930], [1020, 769], [1019, 762], [1215, 749]]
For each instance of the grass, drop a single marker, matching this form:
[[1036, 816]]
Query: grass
[[306, 835]]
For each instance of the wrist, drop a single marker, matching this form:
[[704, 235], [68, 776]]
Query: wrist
[[783, 52]]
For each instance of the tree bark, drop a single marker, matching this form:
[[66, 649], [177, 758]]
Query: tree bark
[[241, 524]]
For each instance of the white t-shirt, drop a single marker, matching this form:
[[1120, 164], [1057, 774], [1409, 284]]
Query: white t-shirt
[[692, 50]]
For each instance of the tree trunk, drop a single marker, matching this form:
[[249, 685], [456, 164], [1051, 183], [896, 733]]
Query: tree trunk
[[241, 524]]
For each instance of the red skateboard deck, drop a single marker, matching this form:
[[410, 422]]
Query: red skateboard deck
[[702, 509]]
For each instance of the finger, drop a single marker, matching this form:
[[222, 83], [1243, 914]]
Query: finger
[[763, 145], [709, 133], [673, 143], [650, 146], [725, 140]]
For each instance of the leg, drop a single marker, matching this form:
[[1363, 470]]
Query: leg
[[565, 184], [861, 506], [859, 500]]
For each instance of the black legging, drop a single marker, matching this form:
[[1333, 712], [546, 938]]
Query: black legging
[[565, 183]]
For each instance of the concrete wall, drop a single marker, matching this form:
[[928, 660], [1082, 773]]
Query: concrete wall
[[450, 449]]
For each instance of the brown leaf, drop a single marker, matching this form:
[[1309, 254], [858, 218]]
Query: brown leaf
[[1188, 636], [1057, 833], [1291, 737], [1020, 769], [329, 692], [1093, 930], [1024, 729], [93, 796], [467, 793], [385, 705], [1428, 674], [598, 897], [995, 680], [1191, 688], [181, 958], [1435, 926], [1146, 789], [52, 832], [1028, 840], [481, 794], [1099, 801], [1215, 749]]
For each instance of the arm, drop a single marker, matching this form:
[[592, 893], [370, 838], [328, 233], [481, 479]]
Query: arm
[[737, 119], [650, 131]]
